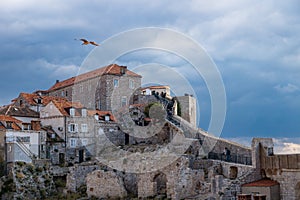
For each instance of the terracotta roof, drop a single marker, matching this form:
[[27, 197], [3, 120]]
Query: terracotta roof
[[9, 119], [112, 69], [32, 98], [64, 106], [19, 111], [101, 114], [5, 118], [261, 183]]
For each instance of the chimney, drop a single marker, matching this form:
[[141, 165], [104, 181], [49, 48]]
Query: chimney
[[57, 81], [36, 125]]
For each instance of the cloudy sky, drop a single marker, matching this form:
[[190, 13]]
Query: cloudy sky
[[254, 44]]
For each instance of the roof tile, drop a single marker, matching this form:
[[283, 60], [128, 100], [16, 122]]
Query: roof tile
[[112, 69], [261, 183]]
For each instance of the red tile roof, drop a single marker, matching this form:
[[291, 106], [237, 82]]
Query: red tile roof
[[261, 183], [112, 69], [7, 118], [101, 113], [32, 98], [63, 106], [12, 110]]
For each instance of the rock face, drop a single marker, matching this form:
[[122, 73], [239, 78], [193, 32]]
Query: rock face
[[105, 184], [27, 181]]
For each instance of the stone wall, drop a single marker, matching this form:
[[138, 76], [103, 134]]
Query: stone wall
[[284, 169], [105, 184], [210, 143], [77, 175], [188, 105]]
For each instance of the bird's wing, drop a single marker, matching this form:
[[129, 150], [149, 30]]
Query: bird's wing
[[94, 43], [84, 40]]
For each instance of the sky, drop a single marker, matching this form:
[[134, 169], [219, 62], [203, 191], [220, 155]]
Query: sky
[[254, 44]]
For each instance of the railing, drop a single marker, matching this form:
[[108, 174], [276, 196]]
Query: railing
[[25, 149], [234, 158]]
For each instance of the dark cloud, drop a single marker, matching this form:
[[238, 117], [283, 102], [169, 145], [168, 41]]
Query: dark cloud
[[255, 45]]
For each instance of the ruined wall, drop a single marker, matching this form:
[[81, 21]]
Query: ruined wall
[[77, 175], [105, 184]]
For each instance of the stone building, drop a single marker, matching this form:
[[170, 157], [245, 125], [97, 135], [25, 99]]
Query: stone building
[[264, 187], [160, 89], [106, 88], [283, 168], [34, 101], [19, 144], [77, 127], [188, 108]]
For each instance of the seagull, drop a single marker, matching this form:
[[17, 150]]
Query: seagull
[[94, 43], [86, 42]]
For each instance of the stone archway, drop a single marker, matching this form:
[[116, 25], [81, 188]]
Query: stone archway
[[161, 184], [297, 191]]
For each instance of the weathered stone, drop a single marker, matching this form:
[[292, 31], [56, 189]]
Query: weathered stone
[[105, 184]]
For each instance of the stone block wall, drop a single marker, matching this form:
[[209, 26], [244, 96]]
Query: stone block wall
[[77, 175], [188, 105], [105, 184]]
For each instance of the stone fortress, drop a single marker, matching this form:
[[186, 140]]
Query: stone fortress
[[100, 135]]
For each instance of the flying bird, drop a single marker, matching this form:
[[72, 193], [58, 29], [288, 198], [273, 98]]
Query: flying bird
[[94, 43], [86, 42]]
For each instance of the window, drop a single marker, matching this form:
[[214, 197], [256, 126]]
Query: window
[[26, 126], [84, 128], [83, 112], [84, 142], [116, 83], [99, 104], [66, 93], [106, 118], [62, 93], [9, 125], [39, 100], [73, 128], [73, 142], [72, 111], [131, 84], [124, 101], [81, 88]]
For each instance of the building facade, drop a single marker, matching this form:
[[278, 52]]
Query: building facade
[[106, 88]]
